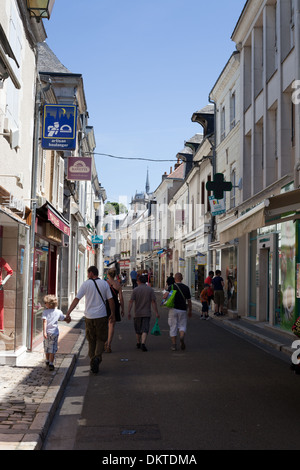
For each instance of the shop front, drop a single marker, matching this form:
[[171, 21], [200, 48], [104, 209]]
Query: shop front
[[50, 228], [263, 245], [229, 264], [14, 242], [279, 258], [196, 265], [274, 288]]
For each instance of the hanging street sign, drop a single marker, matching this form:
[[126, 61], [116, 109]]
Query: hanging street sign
[[97, 239], [79, 169], [59, 127], [217, 206]]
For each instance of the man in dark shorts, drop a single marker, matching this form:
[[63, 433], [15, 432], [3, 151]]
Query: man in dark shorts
[[144, 298]]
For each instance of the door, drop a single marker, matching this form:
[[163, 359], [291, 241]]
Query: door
[[268, 277], [264, 284], [52, 270]]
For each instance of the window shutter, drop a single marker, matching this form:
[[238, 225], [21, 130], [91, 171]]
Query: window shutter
[[61, 177], [43, 172]]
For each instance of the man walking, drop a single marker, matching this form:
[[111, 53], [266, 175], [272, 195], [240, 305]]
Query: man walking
[[133, 276], [144, 298], [96, 292], [218, 286], [177, 318]]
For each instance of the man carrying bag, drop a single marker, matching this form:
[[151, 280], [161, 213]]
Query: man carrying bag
[[96, 292], [182, 309]]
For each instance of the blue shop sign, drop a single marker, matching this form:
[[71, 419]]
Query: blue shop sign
[[97, 239], [59, 127]]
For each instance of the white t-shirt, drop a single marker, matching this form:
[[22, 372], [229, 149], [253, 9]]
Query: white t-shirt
[[94, 306], [52, 315]]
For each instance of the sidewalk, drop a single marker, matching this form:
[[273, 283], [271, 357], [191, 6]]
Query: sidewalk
[[30, 393], [262, 332]]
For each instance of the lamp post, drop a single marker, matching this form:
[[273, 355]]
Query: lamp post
[[40, 8]]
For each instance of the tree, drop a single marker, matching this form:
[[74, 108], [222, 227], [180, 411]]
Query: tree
[[114, 208]]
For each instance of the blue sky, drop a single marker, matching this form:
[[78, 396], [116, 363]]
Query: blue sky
[[147, 67]]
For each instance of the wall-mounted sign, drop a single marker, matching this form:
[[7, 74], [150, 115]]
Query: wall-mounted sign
[[58, 222], [80, 169], [217, 206], [97, 239], [59, 127]]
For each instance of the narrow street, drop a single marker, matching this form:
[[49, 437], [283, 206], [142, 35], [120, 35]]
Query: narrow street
[[222, 392]]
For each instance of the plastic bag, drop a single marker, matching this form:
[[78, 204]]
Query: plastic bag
[[169, 302], [156, 330]]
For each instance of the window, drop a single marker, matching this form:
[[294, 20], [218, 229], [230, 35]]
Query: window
[[292, 25], [222, 123], [232, 110], [233, 181], [293, 124], [58, 183]]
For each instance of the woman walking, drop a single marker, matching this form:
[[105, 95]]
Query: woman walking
[[117, 294]]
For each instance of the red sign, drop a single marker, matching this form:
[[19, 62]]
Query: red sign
[[58, 223], [124, 264]]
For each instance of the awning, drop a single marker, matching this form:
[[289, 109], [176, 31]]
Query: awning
[[252, 220], [282, 206], [58, 220], [275, 210]]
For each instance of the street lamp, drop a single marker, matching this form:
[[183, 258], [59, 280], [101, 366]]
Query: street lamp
[[97, 204], [40, 8]]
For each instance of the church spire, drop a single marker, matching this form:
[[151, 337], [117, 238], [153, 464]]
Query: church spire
[[147, 182]]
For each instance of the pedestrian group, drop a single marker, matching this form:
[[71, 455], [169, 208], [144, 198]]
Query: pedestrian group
[[104, 306]]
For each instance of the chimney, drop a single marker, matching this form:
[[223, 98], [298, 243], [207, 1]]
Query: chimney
[[177, 164]]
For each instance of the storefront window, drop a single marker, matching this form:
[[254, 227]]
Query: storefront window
[[254, 272], [287, 275], [13, 281], [229, 261], [40, 287]]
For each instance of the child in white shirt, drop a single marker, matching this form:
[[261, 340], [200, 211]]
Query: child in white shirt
[[51, 316]]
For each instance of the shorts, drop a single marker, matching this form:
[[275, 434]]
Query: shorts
[[177, 320], [219, 297], [141, 325], [51, 344]]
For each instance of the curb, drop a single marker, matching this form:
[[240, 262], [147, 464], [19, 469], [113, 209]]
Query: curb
[[279, 346]]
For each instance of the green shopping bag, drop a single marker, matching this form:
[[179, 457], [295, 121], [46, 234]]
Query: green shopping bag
[[156, 330], [169, 302]]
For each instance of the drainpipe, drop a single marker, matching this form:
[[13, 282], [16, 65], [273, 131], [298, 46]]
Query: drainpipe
[[214, 166], [37, 119], [296, 100]]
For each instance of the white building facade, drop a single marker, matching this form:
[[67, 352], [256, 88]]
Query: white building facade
[[267, 227], [18, 39]]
